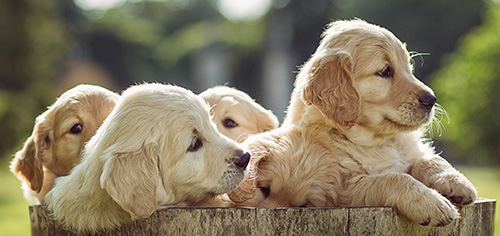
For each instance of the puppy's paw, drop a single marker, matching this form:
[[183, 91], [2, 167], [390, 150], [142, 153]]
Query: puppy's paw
[[431, 209], [456, 187]]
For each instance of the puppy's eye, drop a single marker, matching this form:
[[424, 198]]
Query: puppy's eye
[[196, 144], [265, 191], [76, 129], [229, 123], [386, 72]]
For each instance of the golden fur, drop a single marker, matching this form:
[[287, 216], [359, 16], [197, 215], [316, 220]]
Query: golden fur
[[358, 99], [59, 136], [290, 167], [157, 148], [236, 114]]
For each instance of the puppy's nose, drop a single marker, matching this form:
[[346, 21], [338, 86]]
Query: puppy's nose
[[427, 101], [242, 162]]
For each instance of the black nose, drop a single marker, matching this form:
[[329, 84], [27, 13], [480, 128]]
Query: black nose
[[242, 162], [427, 101]]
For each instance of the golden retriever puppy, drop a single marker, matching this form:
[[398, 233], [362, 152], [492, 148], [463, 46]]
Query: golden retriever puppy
[[290, 167], [157, 148], [359, 95], [58, 138], [236, 114]]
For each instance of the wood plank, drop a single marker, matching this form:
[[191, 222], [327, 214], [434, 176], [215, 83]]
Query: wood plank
[[477, 219]]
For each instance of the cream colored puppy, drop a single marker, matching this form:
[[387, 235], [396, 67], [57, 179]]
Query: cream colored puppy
[[236, 114], [58, 137], [157, 148], [358, 94]]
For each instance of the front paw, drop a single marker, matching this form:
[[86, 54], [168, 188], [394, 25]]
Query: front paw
[[429, 208], [456, 187]]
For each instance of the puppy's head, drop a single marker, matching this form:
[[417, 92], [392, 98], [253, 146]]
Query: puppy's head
[[236, 114], [288, 168], [60, 133], [159, 146], [361, 75]]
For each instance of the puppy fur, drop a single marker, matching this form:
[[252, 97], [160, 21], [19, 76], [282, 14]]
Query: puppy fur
[[290, 167], [157, 148], [358, 95], [59, 136], [236, 114]]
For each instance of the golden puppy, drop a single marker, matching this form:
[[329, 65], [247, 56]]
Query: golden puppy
[[358, 95], [236, 114], [290, 167], [158, 147], [58, 138]]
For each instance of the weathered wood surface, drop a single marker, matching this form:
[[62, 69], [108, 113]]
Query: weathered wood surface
[[477, 219]]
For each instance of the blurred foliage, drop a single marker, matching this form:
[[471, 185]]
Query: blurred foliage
[[32, 45], [152, 39], [468, 87], [167, 40]]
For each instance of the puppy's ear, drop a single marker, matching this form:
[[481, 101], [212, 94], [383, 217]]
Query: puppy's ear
[[27, 166], [130, 179], [44, 140], [330, 88], [248, 185], [28, 163], [266, 120]]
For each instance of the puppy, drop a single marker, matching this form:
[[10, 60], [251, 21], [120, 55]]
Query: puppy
[[290, 167], [358, 95], [157, 148], [58, 138], [236, 114]]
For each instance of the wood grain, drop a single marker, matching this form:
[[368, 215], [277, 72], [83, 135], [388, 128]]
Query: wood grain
[[477, 219]]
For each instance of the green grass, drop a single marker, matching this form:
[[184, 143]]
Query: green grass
[[486, 181], [14, 215]]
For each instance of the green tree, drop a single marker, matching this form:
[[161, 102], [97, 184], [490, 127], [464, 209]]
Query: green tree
[[468, 87]]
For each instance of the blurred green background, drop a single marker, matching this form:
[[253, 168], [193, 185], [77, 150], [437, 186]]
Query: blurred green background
[[47, 47]]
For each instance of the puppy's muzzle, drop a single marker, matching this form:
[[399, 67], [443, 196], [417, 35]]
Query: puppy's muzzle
[[427, 101], [242, 161]]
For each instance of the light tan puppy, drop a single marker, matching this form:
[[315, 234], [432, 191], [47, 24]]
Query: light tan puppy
[[290, 167], [157, 148], [359, 96], [236, 114], [58, 138]]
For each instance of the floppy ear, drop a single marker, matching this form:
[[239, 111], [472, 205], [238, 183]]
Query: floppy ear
[[330, 88], [28, 163], [266, 120], [44, 140], [247, 187], [27, 166], [130, 179]]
